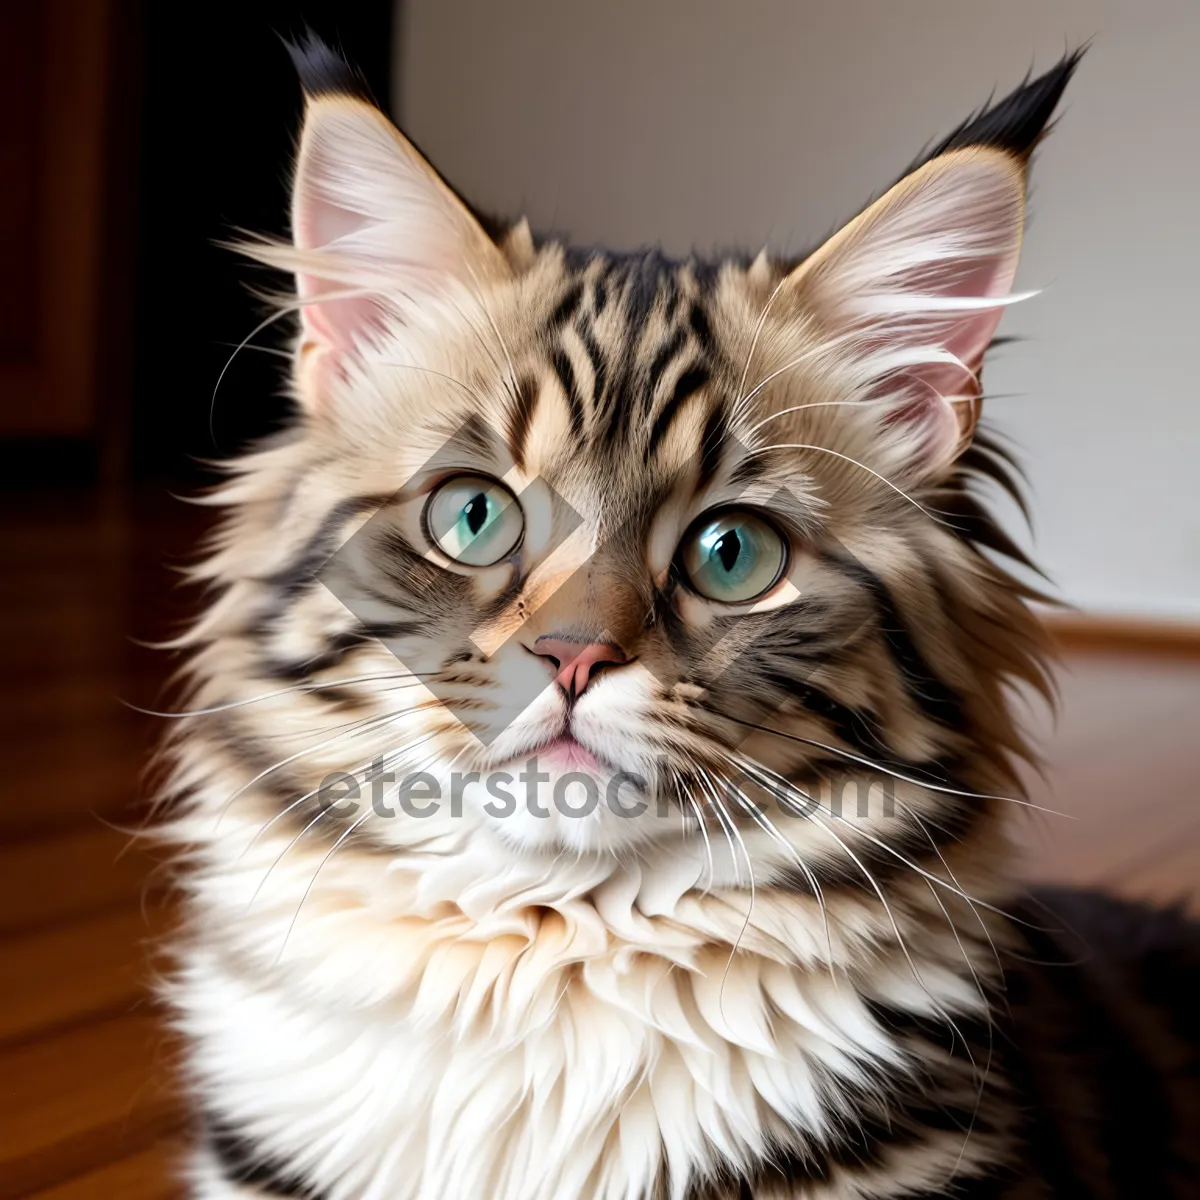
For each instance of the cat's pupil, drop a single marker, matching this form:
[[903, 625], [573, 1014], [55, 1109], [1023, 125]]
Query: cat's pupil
[[476, 511], [728, 547]]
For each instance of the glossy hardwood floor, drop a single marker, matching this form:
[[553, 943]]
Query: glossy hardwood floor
[[89, 1105]]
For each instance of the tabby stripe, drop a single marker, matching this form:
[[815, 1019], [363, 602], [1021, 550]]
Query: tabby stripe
[[712, 444], [862, 1142], [595, 358], [698, 321], [854, 728], [662, 360], [297, 670], [599, 296], [917, 844], [566, 377], [566, 307], [935, 698], [521, 418], [686, 386]]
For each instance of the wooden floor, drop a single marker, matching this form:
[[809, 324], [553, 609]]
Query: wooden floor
[[88, 1106]]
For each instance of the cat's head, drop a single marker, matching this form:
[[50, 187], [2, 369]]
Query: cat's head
[[674, 519]]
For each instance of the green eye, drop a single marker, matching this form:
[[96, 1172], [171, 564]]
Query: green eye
[[474, 520], [733, 557]]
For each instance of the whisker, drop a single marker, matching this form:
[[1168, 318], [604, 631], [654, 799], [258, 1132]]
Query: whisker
[[329, 854], [703, 824], [371, 723], [387, 761], [866, 762], [720, 809], [281, 311], [474, 393], [854, 461], [758, 328], [754, 766], [512, 370], [894, 774], [765, 823], [312, 686], [875, 887], [823, 348]]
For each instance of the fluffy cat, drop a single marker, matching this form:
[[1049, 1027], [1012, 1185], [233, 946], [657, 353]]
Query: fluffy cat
[[599, 753]]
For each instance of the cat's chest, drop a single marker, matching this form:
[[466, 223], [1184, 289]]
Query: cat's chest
[[505, 1078]]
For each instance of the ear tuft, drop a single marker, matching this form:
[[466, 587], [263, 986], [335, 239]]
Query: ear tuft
[[913, 288], [1018, 122], [322, 71]]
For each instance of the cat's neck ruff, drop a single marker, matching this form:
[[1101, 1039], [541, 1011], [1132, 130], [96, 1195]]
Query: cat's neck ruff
[[487, 1026]]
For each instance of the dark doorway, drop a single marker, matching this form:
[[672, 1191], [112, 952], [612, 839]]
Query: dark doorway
[[219, 117]]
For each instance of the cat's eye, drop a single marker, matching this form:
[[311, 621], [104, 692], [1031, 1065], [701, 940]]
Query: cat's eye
[[733, 556], [474, 520]]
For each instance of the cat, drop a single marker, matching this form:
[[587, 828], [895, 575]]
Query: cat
[[599, 758]]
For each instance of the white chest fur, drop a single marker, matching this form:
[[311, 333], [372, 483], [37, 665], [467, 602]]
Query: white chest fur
[[518, 1044]]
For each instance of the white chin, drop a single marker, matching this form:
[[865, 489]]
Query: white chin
[[550, 808]]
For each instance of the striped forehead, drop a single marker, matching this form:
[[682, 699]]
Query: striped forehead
[[626, 370]]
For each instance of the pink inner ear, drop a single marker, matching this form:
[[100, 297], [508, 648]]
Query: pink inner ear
[[335, 323], [319, 223], [971, 332], [943, 393]]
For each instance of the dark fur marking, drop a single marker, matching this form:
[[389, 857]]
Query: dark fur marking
[[712, 443], [686, 386], [1017, 122], [566, 307], [698, 322], [521, 418], [596, 359], [566, 377], [662, 360], [241, 1161], [322, 71], [936, 699], [1105, 1022], [290, 580]]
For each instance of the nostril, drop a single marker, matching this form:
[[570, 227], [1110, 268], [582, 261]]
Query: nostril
[[577, 662]]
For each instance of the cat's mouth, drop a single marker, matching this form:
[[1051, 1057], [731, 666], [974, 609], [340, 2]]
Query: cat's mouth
[[564, 752]]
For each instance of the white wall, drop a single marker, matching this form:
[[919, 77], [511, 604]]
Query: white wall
[[702, 123]]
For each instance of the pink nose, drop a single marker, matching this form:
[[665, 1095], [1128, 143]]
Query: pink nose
[[577, 663]]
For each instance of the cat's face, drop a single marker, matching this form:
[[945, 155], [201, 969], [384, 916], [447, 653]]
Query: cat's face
[[635, 522]]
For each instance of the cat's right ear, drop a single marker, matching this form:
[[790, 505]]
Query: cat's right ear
[[373, 225]]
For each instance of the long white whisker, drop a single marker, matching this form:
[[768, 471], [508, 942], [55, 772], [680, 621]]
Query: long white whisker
[[823, 348], [758, 328], [366, 724], [720, 808], [885, 401], [765, 823], [512, 370], [758, 768], [853, 461], [921, 783], [300, 688], [874, 884], [721, 815], [386, 761], [332, 850], [703, 824]]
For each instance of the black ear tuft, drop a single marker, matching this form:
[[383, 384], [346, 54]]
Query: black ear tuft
[[1017, 122], [322, 71]]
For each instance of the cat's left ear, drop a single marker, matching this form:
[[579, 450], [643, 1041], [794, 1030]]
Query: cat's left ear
[[371, 219], [911, 290]]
